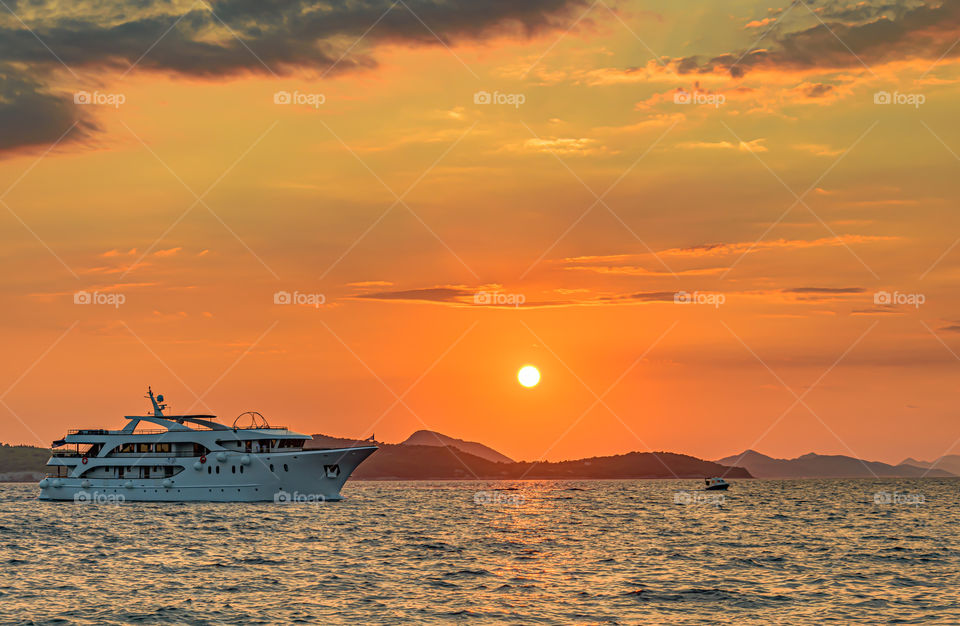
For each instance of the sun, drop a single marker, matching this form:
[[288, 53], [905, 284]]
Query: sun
[[528, 376]]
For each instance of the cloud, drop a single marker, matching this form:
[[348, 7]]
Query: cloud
[[825, 290], [720, 249], [754, 145], [817, 294], [844, 36], [429, 294], [32, 116], [568, 146], [818, 149], [223, 39]]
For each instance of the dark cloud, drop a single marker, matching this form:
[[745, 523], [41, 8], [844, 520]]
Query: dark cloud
[[239, 36], [818, 91], [848, 34], [654, 296], [32, 116], [430, 294], [825, 290]]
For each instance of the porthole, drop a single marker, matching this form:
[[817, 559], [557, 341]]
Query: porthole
[[218, 469], [233, 469], [285, 468], [271, 467], [209, 470]]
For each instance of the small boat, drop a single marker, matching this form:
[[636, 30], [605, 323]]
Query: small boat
[[716, 484]]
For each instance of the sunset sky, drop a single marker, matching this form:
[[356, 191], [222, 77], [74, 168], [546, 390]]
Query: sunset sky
[[712, 226]]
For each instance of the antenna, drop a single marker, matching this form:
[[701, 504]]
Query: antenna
[[158, 407]]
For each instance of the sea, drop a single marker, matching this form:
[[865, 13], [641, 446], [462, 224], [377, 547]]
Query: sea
[[521, 552]]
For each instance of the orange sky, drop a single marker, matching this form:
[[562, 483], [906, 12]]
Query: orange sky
[[739, 152]]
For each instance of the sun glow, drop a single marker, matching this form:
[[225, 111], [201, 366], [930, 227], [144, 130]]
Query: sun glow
[[528, 376]]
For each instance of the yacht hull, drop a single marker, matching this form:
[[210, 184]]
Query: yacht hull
[[289, 477]]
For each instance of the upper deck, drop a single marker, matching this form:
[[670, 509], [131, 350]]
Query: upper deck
[[197, 428]]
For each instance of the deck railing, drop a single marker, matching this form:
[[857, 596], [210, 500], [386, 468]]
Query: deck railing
[[158, 431]]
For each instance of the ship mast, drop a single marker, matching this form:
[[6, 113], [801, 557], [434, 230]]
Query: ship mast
[[157, 406]]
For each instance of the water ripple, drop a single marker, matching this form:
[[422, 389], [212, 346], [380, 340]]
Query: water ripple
[[598, 552]]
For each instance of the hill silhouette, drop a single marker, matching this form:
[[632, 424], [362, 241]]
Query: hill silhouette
[[406, 461], [432, 438], [824, 466]]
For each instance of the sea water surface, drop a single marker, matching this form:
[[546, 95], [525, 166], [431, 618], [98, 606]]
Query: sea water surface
[[613, 552]]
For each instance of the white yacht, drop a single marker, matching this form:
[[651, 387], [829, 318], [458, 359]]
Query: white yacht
[[194, 458]]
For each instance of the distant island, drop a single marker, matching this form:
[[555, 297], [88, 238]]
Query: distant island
[[839, 466], [429, 455]]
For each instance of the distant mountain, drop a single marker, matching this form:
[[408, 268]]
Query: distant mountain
[[407, 461], [824, 466], [22, 463], [948, 463], [431, 438]]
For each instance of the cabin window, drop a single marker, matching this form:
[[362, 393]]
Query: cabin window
[[163, 447], [144, 472], [119, 472], [127, 447], [143, 447], [168, 471]]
